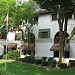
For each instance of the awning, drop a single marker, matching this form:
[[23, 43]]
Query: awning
[[12, 45], [56, 46], [31, 46]]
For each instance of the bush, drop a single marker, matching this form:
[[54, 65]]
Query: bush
[[44, 63], [29, 59], [50, 59], [52, 63], [44, 58], [62, 65], [38, 61], [72, 63], [1, 56], [13, 54]]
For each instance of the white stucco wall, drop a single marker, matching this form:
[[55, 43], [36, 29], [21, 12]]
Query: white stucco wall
[[71, 24], [45, 22], [42, 46], [72, 48]]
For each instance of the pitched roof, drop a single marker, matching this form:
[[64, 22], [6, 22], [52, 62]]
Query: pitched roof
[[42, 11]]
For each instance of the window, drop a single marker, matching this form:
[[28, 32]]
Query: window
[[36, 19], [74, 15], [54, 17], [44, 33], [56, 54]]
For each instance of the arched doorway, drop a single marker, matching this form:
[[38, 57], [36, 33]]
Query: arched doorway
[[55, 46]]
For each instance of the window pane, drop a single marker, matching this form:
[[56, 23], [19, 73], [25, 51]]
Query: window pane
[[44, 33], [54, 16]]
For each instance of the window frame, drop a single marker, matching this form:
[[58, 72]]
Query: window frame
[[54, 16], [42, 31]]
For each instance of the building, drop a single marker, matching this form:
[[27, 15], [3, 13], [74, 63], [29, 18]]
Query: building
[[47, 31]]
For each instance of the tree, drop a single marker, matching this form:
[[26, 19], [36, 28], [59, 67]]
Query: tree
[[19, 14], [6, 6], [25, 17], [64, 9]]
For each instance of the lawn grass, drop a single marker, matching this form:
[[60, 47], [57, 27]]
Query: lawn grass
[[19, 68]]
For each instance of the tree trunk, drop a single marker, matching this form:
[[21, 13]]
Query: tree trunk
[[60, 21], [61, 52], [71, 34], [64, 37]]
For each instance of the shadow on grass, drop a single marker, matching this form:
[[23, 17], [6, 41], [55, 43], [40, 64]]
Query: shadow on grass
[[19, 68]]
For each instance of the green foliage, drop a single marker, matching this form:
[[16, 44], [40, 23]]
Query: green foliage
[[38, 61], [44, 58], [30, 59], [3, 34], [72, 63], [13, 54], [17, 13], [53, 5], [62, 65], [6, 6], [44, 63], [52, 61], [1, 56]]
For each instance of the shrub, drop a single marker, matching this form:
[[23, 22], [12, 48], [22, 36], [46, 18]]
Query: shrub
[[1, 56], [44, 58], [72, 63], [52, 63], [44, 63], [62, 65], [13, 54], [50, 59], [29, 59], [38, 61]]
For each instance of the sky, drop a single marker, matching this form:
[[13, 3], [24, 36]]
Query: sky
[[27, 0]]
